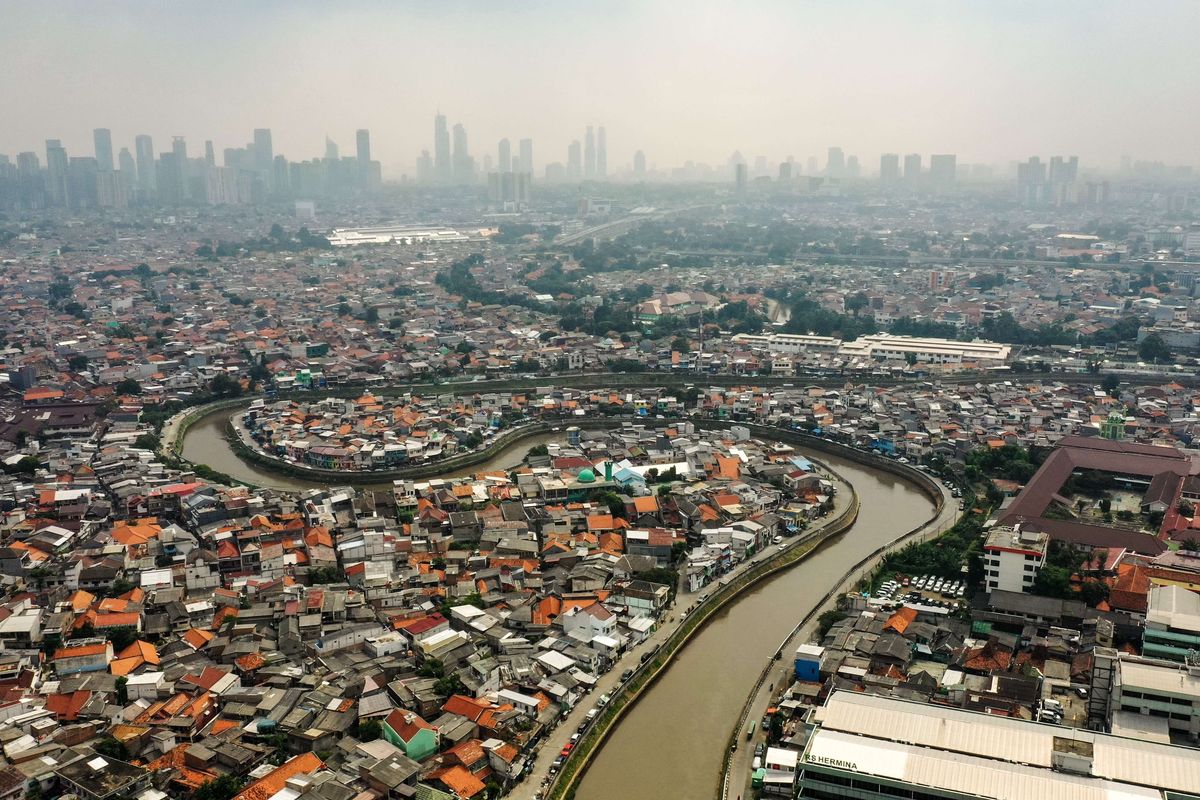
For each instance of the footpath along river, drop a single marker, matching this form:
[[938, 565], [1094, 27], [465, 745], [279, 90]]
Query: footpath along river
[[671, 745], [205, 444]]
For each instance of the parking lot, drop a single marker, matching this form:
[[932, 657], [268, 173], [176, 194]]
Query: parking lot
[[925, 589]]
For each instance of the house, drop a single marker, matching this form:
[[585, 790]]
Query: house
[[85, 655], [406, 730]]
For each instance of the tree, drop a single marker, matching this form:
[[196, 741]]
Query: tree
[[1154, 349], [1093, 593], [122, 690], [128, 386], [1111, 385], [110, 747], [369, 731], [432, 668], [856, 302], [372, 316], [223, 788], [324, 575], [680, 344], [828, 619], [147, 441], [223, 385], [1052, 581]]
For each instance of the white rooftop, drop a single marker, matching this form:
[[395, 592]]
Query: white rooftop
[[949, 734]]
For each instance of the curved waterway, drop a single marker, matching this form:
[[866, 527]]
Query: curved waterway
[[205, 444], [671, 745]]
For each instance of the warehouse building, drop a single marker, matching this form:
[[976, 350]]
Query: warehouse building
[[867, 746]]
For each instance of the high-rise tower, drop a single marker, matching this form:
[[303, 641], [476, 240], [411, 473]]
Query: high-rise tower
[[601, 154], [527, 156], [102, 137], [441, 150], [143, 147], [589, 154], [504, 160]]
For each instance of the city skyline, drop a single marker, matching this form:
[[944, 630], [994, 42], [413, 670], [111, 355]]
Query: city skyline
[[770, 92]]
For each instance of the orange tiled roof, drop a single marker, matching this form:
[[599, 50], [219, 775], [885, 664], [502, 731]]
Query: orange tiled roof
[[274, 781]]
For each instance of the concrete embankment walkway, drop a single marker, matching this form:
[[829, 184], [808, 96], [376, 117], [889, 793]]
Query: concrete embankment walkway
[[781, 673]]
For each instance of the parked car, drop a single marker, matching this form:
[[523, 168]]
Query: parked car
[[603, 701], [626, 675]]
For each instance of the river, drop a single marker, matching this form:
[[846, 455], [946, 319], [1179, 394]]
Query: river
[[205, 444], [671, 745]]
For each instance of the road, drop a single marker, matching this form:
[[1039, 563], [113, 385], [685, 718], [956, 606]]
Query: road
[[537, 773], [782, 675]]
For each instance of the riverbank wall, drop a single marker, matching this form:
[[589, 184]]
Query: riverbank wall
[[645, 675]]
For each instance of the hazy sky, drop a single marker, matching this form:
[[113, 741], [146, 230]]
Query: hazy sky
[[990, 81]]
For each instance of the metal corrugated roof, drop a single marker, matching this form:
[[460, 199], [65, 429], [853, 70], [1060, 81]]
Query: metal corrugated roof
[[1006, 739], [955, 772]]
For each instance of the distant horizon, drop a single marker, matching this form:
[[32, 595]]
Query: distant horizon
[[83, 146], [696, 82]]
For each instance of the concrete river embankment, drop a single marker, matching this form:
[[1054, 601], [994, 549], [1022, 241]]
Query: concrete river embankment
[[672, 744]]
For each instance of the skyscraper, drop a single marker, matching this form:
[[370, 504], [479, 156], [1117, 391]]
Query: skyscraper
[[852, 166], [504, 162], [639, 164], [527, 156], [441, 150], [574, 163], [589, 154], [264, 152], [143, 146], [943, 170], [331, 149], [889, 167], [56, 172], [128, 170], [464, 169], [1031, 182], [362, 141], [210, 155], [835, 162], [739, 176], [102, 137], [169, 181], [425, 167], [912, 167], [601, 154]]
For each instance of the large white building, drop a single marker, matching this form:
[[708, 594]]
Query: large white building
[[789, 343], [1147, 698], [883, 347], [1013, 557], [866, 747], [886, 347], [393, 234]]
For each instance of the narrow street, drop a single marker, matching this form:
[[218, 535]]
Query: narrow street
[[549, 749]]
